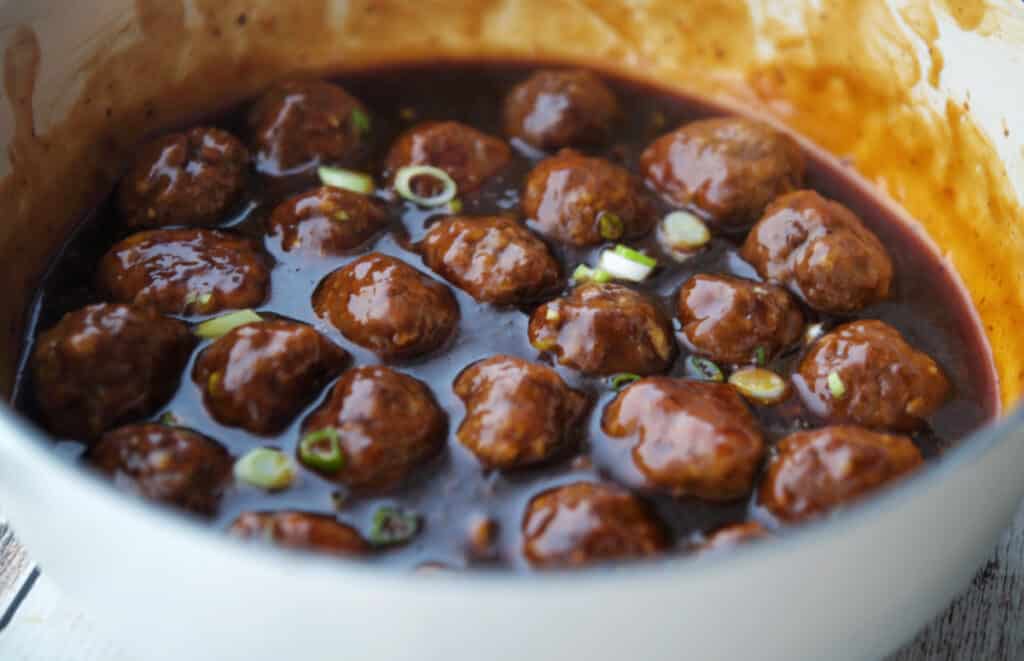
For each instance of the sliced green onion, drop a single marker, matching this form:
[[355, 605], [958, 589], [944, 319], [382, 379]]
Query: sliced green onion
[[635, 256], [620, 381], [681, 231], [265, 468], [610, 226], [360, 121], [168, 419], [403, 184], [321, 450], [703, 369], [759, 385], [221, 326], [455, 206], [584, 273], [357, 182], [393, 525], [836, 385], [627, 264], [760, 356]]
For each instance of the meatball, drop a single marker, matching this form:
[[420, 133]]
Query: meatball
[[687, 438], [603, 329], [387, 306], [387, 424], [586, 523], [517, 413], [297, 125], [167, 464], [260, 376], [326, 221], [865, 373], [816, 471], [729, 169], [733, 320], [493, 258], [553, 109], [735, 535], [190, 178], [186, 271], [585, 201], [106, 364], [821, 252], [467, 155], [301, 530]]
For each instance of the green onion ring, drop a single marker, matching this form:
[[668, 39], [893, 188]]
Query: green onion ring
[[403, 184]]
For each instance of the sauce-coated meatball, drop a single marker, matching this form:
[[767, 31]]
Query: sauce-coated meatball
[[105, 364], [728, 169], [729, 537], [304, 531], [260, 376], [493, 258], [585, 201], [815, 471], [387, 423], [820, 251], [603, 329], [468, 156], [186, 271], [586, 523], [733, 320], [326, 221], [191, 178], [517, 413], [686, 438], [300, 124], [553, 109], [865, 373], [171, 465], [387, 306]]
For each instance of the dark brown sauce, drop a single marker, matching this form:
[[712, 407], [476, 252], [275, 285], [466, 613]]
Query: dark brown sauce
[[928, 306]]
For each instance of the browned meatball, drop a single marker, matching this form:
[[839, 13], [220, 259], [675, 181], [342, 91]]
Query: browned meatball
[[387, 306], [820, 251], [301, 530], [687, 438], [326, 221], [735, 535], [815, 471], [166, 464], [494, 258], [586, 523], [727, 168], [517, 413], [733, 320], [186, 271], [865, 373], [301, 124], [191, 178], [584, 201], [106, 364], [387, 424], [553, 109], [467, 155], [261, 375], [604, 329]]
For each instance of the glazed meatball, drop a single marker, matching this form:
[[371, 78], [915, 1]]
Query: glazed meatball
[[553, 109], [186, 271], [732, 536], [517, 413], [261, 375], [585, 201], [732, 320], [297, 125], [865, 373], [816, 471], [494, 259], [586, 523], [728, 169], [387, 306], [687, 438], [167, 464], [106, 364], [301, 530], [821, 252], [387, 424], [326, 221], [603, 329], [191, 178], [467, 155]]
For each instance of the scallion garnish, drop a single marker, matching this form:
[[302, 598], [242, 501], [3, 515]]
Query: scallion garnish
[[455, 206], [405, 176], [168, 419], [624, 263], [683, 233], [393, 525], [703, 369], [321, 450], [265, 468], [759, 385], [360, 121], [836, 385], [357, 182], [620, 381], [221, 326], [610, 226], [760, 356], [584, 273]]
